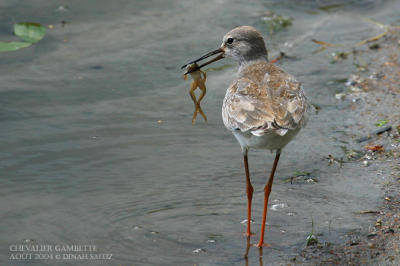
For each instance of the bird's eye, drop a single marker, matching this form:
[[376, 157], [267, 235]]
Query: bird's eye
[[229, 41]]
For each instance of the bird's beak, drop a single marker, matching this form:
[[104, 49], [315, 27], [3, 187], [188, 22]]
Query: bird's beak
[[219, 51]]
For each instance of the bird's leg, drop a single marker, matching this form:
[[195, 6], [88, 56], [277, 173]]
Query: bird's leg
[[246, 255], [202, 87], [249, 191], [193, 96], [267, 191]]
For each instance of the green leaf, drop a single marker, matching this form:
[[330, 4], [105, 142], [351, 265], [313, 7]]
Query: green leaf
[[13, 46], [381, 123], [29, 32]]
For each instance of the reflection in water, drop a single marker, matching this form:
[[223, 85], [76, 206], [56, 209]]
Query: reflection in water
[[260, 255], [246, 254]]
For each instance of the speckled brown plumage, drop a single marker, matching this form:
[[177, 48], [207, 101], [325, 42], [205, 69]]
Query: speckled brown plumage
[[264, 98]]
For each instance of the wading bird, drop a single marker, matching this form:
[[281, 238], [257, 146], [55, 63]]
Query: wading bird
[[264, 107]]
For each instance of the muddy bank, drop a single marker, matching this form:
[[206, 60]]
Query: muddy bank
[[373, 97]]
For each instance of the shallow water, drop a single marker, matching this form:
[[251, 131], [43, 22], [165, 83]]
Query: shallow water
[[97, 145]]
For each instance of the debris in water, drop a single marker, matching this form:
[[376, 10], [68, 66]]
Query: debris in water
[[378, 223], [276, 22], [311, 238], [363, 139], [338, 81], [340, 96], [311, 180], [382, 130], [374, 46], [275, 207], [355, 89], [328, 8], [333, 160], [198, 250], [381, 123], [377, 132], [317, 107], [375, 38], [368, 212], [215, 236], [324, 46], [374, 148], [306, 176], [390, 230], [327, 44], [352, 155], [62, 9], [361, 68], [338, 56], [276, 59]]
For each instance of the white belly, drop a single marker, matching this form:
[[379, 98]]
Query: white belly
[[268, 141]]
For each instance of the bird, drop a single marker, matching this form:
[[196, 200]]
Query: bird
[[264, 106]]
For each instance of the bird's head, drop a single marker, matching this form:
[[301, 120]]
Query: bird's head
[[243, 44]]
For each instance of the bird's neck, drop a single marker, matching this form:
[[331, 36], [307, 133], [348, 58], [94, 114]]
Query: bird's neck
[[255, 54], [243, 64]]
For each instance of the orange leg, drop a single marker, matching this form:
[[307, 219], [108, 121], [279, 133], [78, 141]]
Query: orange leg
[[267, 191], [249, 191]]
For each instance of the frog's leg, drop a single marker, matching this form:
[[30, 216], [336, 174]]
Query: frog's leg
[[193, 87], [202, 87], [204, 76]]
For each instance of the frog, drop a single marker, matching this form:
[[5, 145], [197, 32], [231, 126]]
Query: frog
[[199, 81]]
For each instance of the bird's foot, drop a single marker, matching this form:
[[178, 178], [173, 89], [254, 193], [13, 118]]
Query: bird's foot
[[262, 245], [248, 234]]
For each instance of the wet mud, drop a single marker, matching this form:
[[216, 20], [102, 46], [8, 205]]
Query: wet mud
[[378, 242]]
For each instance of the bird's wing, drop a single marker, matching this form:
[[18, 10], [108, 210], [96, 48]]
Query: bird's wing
[[277, 104]]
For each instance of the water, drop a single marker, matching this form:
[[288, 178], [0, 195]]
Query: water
[[97, 145]]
